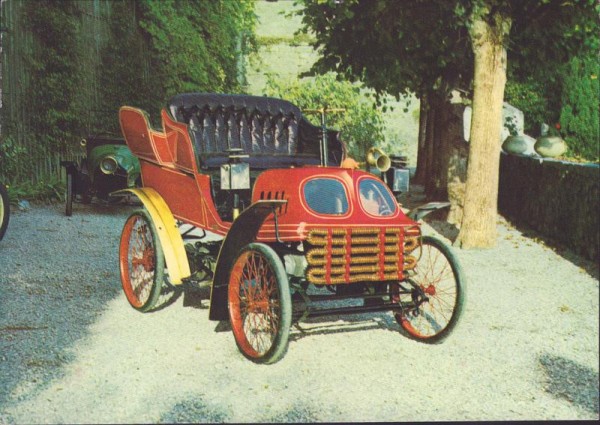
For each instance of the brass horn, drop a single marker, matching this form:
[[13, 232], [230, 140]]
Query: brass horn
[[377, 158]]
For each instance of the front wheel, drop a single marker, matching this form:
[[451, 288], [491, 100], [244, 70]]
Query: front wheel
[[434, 295], [4, 210], [260, 305], [141, 262]]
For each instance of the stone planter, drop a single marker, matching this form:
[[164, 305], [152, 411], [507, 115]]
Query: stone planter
[[550, 146]]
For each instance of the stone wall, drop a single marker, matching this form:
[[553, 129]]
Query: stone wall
[[558, 199]]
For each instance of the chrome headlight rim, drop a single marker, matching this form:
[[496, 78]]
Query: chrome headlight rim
[[109, 165]]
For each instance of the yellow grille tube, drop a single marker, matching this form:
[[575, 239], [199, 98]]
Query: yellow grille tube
[[362, 254]]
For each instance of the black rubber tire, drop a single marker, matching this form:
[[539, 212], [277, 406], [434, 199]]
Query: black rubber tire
[[269, 314], [4, 210], [142, 285], [69, 194], [447, 280], [84, 188]]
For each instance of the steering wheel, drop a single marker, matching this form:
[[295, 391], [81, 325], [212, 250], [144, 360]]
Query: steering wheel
[[384, 209]]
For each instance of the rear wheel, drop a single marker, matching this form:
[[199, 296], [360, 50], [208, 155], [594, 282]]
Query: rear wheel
[[69, 194], [260, 306], [4, 210], [141, 262], [84, 188], [435, 293]]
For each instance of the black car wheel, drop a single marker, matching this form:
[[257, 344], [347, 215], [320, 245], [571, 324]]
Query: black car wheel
[[69, 194], [4, 210]]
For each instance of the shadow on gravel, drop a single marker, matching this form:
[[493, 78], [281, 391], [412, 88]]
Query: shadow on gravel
[[298, 413], [570, 381], [343, 324], [57, 274], [193, 410]]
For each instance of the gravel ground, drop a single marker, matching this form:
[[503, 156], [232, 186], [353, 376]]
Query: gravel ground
[[73, 351]]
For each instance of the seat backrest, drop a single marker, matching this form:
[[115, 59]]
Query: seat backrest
[[142, 140], [262, 127]]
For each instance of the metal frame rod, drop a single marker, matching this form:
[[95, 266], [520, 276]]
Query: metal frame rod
[[355, 309]]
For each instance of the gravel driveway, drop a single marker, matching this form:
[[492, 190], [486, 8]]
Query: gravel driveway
[[73, 351]]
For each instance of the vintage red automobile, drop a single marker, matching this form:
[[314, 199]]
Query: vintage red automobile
[[285, 230]]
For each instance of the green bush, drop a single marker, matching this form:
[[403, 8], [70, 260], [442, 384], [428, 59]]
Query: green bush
[[538, 103], [51, 190], [361, 125], [579, 112]]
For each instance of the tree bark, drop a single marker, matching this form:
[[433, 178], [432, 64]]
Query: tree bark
[[478, 228], [421, 172], [443, 142], [457, 165]]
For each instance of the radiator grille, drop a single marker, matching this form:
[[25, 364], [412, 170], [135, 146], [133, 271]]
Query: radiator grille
[[337, 256]]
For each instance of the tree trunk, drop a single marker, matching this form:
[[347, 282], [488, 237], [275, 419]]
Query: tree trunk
[[444, 139], [478, 229], [457, 165], [421, 173]]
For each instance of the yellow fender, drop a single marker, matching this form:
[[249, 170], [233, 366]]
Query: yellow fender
[[168, 233]]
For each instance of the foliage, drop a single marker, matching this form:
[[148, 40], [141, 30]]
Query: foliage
[[539, 103], [196, 46], [137, 52], [123, 69], [12, 156], [296, 40], [49, 191], [580, 112], [177, 46], [54, 76], [360, 125], [398, 50], [424, 46]]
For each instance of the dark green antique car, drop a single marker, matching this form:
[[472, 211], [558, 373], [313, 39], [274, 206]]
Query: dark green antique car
[[4, 210], [107, 166]]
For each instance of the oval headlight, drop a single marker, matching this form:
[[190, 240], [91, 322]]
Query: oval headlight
[[108, 165]]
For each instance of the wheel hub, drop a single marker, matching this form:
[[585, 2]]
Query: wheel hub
[[429, 290], [146, 260]]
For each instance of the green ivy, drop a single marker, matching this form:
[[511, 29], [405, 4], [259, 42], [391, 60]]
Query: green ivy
[[54, 73], [147, 51]]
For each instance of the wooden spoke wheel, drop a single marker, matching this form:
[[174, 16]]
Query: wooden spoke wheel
[[141, 262], [260, 307], [435, 298]]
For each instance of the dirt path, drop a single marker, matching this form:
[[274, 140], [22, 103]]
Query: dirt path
[[73, 351]]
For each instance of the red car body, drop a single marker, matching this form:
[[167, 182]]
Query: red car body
[[255, 172]]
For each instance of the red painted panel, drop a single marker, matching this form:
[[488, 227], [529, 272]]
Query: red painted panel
[[162, 150], [178, 189], [188, 192], [135, 129], [179, 143]]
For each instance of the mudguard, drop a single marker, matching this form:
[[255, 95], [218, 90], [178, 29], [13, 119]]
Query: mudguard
[[242, 232], [168, 233], [422, 210]]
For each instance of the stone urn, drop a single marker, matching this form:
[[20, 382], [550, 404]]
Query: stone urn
[[550, 146], [518, 144]]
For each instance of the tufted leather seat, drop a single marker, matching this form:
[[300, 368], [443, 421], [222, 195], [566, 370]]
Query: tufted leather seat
[[272, 132]]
